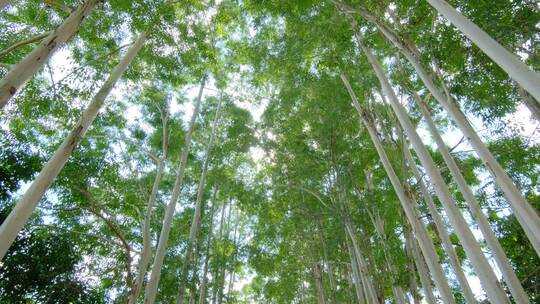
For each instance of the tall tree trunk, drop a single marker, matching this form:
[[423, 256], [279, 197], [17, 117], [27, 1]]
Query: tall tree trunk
[[509, 62], [152, 285], [317, 277], [204, 278], [233, 261], [26, 205], [147, 239], [217, 271], [355, 273], [500, 257], [478, 260], [441, 229], [426, 244], [399, 295], [329, 267], [413, 285], [524, 212], [367, 282], [24, 70], [197, 216], [421, 267]]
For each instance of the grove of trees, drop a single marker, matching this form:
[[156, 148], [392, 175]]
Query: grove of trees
[[270, 151]]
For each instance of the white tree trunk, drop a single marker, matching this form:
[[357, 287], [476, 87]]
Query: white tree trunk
[[369, 289], [425, 242], [147, 240], [152, 285], [197, 216], [509, 62], [24, 70], [24, 208], [478, 260], [441, 229], [524, 212], [498, 253], [354, 269], [204, 278], [422, 269]]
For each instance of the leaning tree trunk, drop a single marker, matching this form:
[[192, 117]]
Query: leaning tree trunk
[[509, 62], [530, 102], [421, 267], [425, 242], [24, 70], [478, 260], [197, 216], [24, 208], [147, 239], [397, 290], [152, 285], [355, 273], [500, 257], [441, 229], [524, 212], [413, 284]]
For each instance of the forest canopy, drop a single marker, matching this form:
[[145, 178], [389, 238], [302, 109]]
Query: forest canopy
[[248, 151]]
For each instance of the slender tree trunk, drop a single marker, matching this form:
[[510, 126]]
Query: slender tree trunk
[[329, 267], [422, 268], [498, 253], [24, 208], [441, 229], [478, 260], [407, 203], [197, 216], [152, 286], [147, 239], [413, 285], [355, 273], [524, 212], [509, 62], [204, 279], [369, 289], [233, 261], [397, 290], [24, 70], [217, 271], [317, 277]]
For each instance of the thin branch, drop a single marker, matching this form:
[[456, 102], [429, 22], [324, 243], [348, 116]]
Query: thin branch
[[20, 44]]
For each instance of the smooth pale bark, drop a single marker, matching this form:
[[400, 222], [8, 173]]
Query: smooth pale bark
[[509, 62], [524, 212], [425, 242], [532, 104], [233, 262], [441, 228], [144, 259], [197, 216], [217, 272], [24, 70], [399, 295], [355, 273], [152, 285], [204, 278], [26, 205], [413, 285], [421, 267], [367, 283], [498, 253], [479, 262]]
